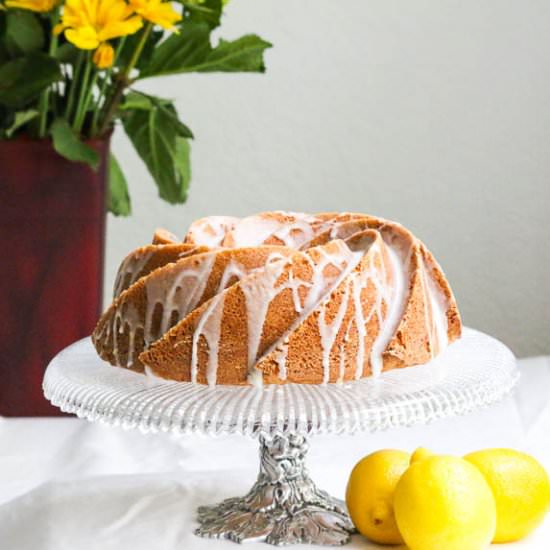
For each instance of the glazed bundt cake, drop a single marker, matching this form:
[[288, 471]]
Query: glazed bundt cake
[[278, 297]]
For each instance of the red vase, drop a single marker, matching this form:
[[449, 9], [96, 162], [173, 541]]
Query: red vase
[[52, 235]]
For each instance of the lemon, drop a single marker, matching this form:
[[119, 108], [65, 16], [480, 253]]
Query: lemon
[[369, 494], [521, 489], [420, 454], [443, 502]]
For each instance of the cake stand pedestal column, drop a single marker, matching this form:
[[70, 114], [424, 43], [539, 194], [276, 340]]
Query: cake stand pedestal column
[[284, 506]]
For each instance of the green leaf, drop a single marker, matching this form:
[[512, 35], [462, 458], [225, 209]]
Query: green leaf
[[21, 118], [22, 79], [119, 198], [206, 11], [183, 162], [190, 51], [182, 129], [180, 52], [246, 54], [4, 54], [136, 100], [157, 140], [139, 100], [68, 144], [24, 33], [67, 53]]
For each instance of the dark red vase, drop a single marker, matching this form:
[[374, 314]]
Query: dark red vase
[[52, 235]]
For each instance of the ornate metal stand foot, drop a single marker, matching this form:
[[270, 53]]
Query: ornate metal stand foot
[[283, 507]]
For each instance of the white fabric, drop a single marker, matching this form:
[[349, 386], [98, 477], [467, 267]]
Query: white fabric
[[66, 484]]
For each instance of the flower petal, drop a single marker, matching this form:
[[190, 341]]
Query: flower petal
[[84, 38], [120, 28], [32, 5]]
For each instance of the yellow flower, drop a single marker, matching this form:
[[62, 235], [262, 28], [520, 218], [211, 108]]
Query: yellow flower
[[158, 12], [89, 23], [104, 56], [32, 5]]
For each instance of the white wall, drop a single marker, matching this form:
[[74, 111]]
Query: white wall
[[435, 113]]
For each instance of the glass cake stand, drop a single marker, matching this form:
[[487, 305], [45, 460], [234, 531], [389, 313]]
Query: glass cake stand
[[284, 506]]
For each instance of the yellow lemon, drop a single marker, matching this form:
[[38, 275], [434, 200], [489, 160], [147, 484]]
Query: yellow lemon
[[521, 489], [369, 494], [420, 454], [443, 502]]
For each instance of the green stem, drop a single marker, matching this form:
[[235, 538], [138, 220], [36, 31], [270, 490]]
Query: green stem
[[44, 101], [86, 102], [56, 94], [74, 83], [80, 107], [137, 52], [123, 80], [107, 79]]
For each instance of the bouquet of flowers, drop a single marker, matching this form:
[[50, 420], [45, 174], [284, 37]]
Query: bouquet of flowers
[[68, 71]]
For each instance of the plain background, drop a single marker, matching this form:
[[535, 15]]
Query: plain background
[[432, 113]]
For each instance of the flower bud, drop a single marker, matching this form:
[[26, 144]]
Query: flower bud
[[104, 56]]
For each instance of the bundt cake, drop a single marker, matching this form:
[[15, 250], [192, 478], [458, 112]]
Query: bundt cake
[[278, 297]]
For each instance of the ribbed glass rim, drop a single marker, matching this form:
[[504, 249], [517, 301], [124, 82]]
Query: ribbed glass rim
[[473, 372]]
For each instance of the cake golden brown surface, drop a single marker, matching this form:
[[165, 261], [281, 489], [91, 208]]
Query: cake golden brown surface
[[278, 297]]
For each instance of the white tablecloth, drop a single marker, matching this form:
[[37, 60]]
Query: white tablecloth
[[66, 484]]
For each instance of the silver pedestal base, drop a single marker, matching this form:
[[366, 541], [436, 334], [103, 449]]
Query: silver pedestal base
[[283, 507]]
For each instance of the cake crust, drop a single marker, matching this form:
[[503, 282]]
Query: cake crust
[[279, 298]]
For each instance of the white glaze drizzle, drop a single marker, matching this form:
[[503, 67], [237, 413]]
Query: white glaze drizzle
[[209, 326], [255, 377], [357, 280], [295, 231], [294, 285], [119, 325], [259, 292], [253, 231], [344, 260], [321, 289], [388, 326], [131, 346], [158, 294], [329, 331], [127, 317], [360, 325], [210, 231], [132, 265], [280, 358], [436, 314], [232, 269], [341, 365]]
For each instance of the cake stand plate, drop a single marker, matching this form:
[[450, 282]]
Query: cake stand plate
[[284, 506]]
